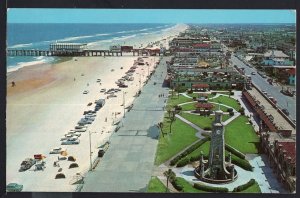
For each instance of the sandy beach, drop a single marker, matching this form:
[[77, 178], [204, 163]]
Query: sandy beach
[[48, 101]]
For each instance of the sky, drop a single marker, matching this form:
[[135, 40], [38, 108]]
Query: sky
[[22, 15]]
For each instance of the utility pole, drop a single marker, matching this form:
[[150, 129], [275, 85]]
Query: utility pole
[[90, 150], [124, 104]]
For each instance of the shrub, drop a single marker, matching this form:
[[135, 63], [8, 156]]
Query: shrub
[[190, 91], [209, 188], [231, 113], [244, 186], [231, 93], [177, 108], [176, 185], [183, 162], [229, 110], [242, 163], [207, 128], [213, 93], [194, 98], [234, 151], [188, 151]]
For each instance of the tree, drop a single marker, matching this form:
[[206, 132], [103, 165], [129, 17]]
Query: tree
[[170, 175], [160, 126], [172, 118]]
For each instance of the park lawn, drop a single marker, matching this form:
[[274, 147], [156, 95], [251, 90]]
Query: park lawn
[[181, 137], [241, 136], [155, 185], [252, 189], [227, 101], [172, 101], [187, 187], [202, 121], [189, 107]]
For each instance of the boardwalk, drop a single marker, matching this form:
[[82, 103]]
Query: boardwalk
[[128, 164]]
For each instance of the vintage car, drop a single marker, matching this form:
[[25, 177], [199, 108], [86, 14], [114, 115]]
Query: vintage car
[[14, 187]]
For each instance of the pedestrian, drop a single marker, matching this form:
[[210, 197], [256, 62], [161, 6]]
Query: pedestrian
[[106, 119], [74, 79], [87, 84]]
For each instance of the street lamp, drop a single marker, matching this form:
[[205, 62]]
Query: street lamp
[[124, 103], [90, 149]]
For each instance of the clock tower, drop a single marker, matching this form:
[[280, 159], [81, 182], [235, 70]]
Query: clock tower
[[216, 169], [216, 160]]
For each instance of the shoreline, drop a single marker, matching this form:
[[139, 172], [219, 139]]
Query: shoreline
[[48, 101]]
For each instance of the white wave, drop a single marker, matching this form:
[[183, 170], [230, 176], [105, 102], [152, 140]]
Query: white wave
[[123, 37], [106, 34], [40, 57], [76, 38], [21, 45], [23, 64]]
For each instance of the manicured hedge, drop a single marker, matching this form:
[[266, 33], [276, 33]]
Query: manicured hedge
[[207, 128], [234, 151], [209, 188], [231, 113], [176, 185], [244, 186], [188, 151], [183, 162], [229, 109], [242, 163]]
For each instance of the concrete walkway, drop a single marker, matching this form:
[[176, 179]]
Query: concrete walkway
[[128, 163]]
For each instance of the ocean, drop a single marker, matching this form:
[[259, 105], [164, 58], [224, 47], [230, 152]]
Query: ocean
[[40, 36]]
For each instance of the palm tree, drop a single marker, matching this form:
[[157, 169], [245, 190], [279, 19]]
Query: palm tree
[[160, 126], [172, 118], [170, 175]]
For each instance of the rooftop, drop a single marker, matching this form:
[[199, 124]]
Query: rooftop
[[277, 54]]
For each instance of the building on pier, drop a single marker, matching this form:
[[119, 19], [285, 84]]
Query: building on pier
[[70, 47]]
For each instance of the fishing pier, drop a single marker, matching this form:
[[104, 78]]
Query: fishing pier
[[79, 49]]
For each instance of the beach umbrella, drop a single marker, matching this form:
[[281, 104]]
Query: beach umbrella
[[60, 176], [73, 165], [71, 158]]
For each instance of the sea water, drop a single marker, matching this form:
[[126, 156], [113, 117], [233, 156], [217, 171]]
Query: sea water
[[40, 36]]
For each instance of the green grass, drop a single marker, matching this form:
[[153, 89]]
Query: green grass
[[205, 149], [252, 189], [189, 107], [172, 101], [187, 187], [202, 121], [227, 101], [182, 136], [155, 185], [241, 136]]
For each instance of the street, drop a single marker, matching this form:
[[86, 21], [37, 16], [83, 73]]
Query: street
[[284, 102], [127, 165]]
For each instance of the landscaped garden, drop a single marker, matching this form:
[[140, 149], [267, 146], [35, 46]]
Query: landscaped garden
[[241, 135], [203, 122], [181, 136], [175, 100], [191, 106], [227, 101]]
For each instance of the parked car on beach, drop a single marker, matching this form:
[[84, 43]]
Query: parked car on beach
[[57, 150], [14, 187], [86, 92], [68, 142]]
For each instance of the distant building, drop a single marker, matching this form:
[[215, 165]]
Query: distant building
[[276, 57], [70, 47], [115, 48], [292, 76], [281, 152]]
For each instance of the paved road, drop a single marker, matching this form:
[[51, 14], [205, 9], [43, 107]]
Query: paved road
[[128, 163], [283, 101]]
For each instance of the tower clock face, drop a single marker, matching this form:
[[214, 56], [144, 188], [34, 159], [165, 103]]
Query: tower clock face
[[218, 132]]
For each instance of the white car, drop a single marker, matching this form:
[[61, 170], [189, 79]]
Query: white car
[[67, 136], [57, 150], [68, 142], [98, 80], [102, 90], [77, 134], [86, 92]]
